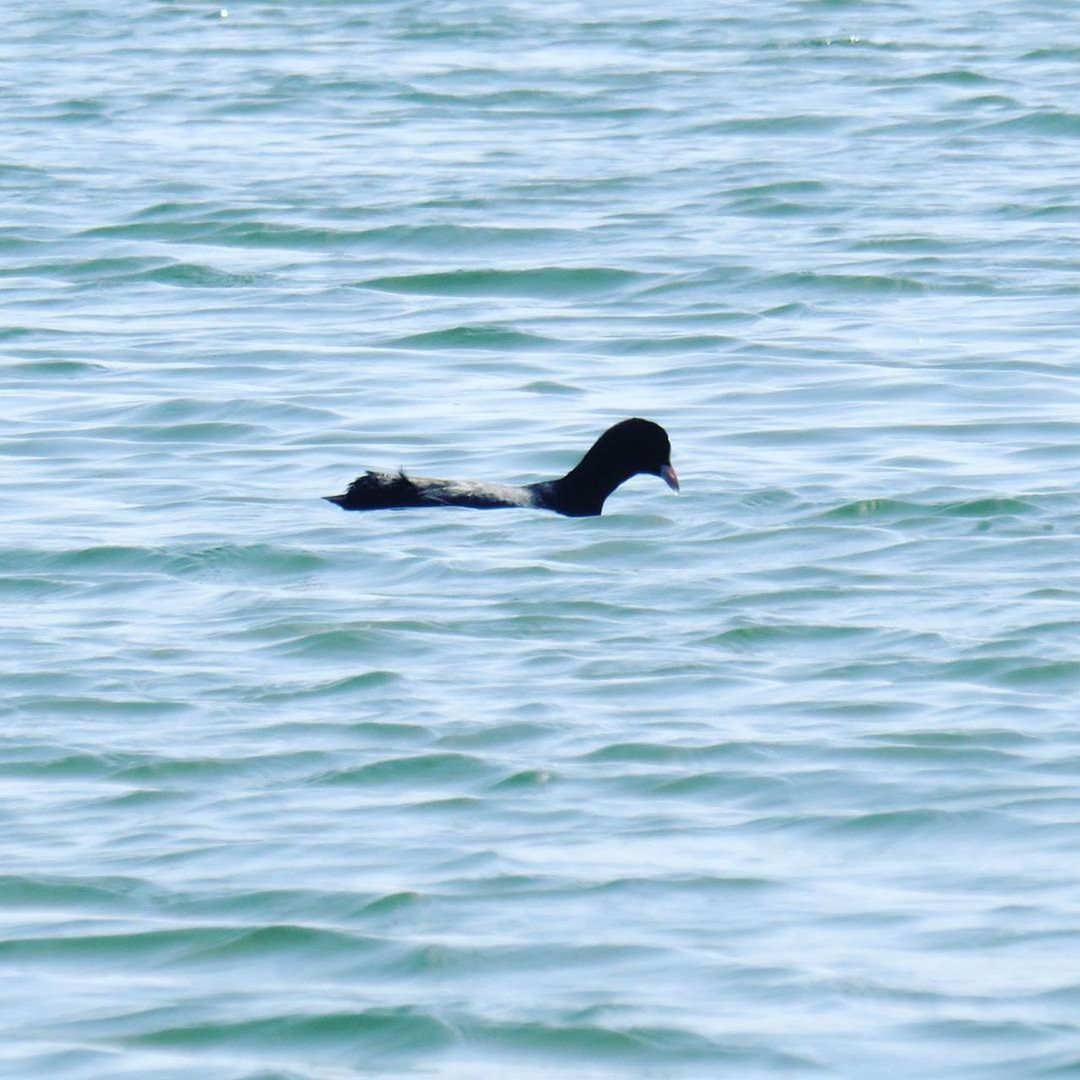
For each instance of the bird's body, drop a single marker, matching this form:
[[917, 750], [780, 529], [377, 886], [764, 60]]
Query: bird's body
[[387, 491], [630, 447]]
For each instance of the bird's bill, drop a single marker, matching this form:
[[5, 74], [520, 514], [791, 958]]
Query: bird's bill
[[670, 477]]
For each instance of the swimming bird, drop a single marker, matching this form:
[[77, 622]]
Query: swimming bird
[[630, 447]]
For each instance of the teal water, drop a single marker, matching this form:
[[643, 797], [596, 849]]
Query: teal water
[[776, 778]]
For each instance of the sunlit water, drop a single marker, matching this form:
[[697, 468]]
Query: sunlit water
[[776, 778]]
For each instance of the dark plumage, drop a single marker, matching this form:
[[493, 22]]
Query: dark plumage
[[630, 447]]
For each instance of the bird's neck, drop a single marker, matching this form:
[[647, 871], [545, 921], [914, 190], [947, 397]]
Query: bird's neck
[[586, 486]]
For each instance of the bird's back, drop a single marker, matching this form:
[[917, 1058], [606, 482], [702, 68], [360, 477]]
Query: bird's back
[[386, 491]]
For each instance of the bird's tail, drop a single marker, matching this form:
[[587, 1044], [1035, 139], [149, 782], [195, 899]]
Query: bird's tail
[[378, 491]]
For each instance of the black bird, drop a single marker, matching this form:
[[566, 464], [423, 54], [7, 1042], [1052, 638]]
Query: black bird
[[630, 447]]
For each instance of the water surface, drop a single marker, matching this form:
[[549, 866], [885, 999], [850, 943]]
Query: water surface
[[777, 778]]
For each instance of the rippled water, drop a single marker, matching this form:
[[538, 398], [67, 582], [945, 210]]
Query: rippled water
[[775, 778]]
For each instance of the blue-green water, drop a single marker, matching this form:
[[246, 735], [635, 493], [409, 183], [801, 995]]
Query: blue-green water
[[777, 778]]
